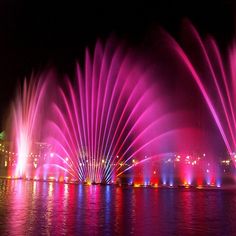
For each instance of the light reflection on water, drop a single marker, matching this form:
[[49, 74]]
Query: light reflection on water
[[33, 208]]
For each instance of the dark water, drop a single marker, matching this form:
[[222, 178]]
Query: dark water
[[41, 208]]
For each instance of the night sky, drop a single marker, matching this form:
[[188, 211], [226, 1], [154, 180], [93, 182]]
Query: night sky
[[38, 34]]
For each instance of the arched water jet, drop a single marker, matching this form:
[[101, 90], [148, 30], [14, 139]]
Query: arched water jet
[[110, 106], [215, 80]]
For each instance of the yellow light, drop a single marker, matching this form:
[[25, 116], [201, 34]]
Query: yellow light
[[136, 185]]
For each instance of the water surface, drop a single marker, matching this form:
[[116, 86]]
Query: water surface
[[47, 208]]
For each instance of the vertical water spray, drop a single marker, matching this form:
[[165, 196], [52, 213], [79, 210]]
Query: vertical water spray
[[27, 112]]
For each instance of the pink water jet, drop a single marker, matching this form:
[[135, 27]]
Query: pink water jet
[[110, 114], [214, 78], [27, 119]]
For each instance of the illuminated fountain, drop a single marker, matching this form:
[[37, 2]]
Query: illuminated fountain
[[110, 115], [215, 80], [26, 124], [92, 127], [111, 122]]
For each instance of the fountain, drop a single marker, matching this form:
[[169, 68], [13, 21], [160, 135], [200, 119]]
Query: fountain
[[89, 130], [215, 81], [112, 122], [27, 119]]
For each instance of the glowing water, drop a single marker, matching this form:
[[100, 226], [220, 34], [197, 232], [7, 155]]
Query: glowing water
[[93, 127], [112, 120], [110, 114], [26, 123], [215, 81]]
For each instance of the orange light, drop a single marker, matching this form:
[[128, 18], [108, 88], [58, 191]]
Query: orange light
[[61, 179]]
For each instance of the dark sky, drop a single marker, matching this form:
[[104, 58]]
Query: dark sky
[[35, 34]]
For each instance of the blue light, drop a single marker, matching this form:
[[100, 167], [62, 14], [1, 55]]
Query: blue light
[[218, 183]]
